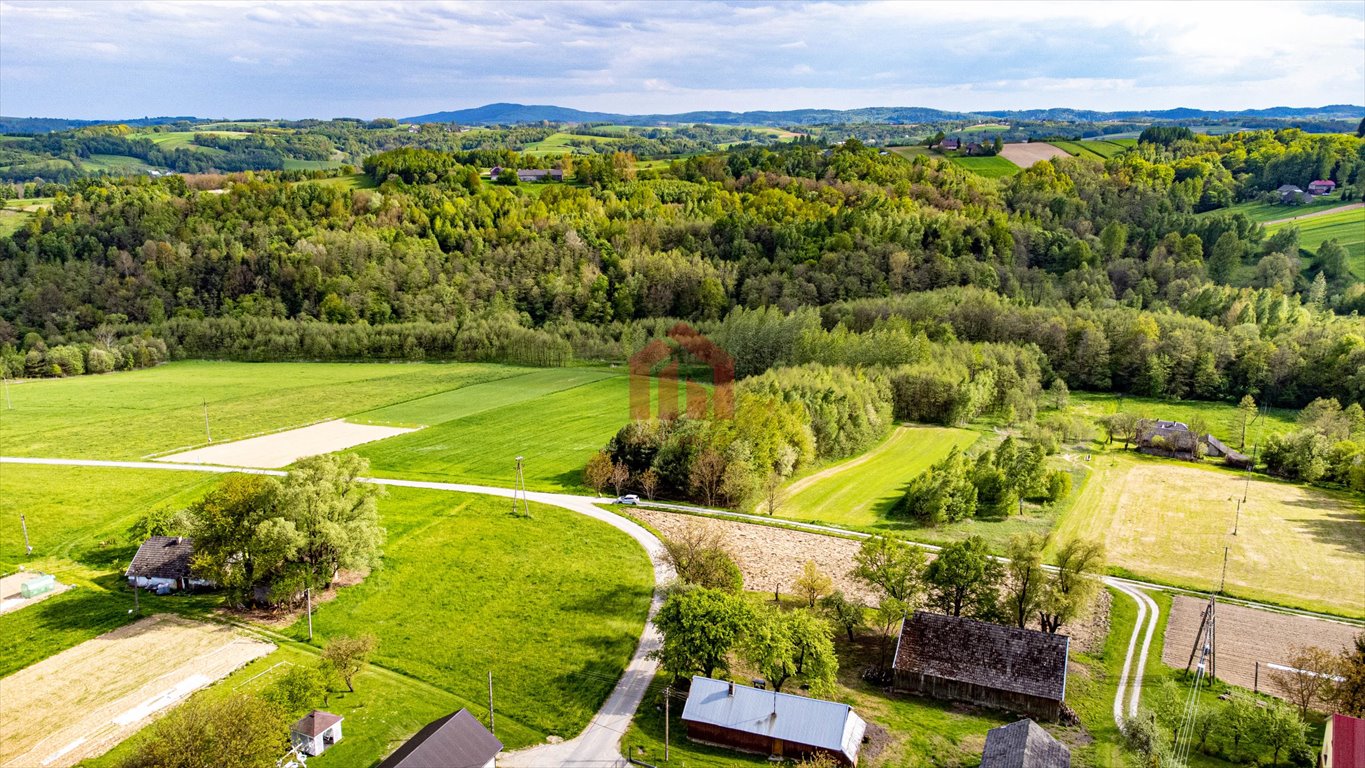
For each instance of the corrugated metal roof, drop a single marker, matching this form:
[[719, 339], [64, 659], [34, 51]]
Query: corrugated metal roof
[[1348, 742], [798, 719]]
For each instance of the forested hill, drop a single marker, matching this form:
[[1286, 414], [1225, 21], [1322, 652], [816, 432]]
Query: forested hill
[[1108, 274]]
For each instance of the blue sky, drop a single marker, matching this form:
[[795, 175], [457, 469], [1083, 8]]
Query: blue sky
[[368, 59]]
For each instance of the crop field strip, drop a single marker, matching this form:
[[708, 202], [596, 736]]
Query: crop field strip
[[1346, 227]]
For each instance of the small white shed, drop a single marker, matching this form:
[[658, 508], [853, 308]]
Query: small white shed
[[316, 732]]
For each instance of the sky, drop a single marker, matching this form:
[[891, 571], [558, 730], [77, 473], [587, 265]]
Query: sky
[[210, 58]]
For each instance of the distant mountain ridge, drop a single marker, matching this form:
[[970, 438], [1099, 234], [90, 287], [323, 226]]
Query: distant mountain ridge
[[511, 114]]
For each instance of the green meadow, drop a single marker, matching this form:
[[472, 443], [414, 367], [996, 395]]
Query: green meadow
[[991, 167], [1261, 212], [1346, 227]]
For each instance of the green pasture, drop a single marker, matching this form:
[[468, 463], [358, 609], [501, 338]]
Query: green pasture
[[558, 144], [1261, 212], [477, 398], [993, 167], [349, 181], [556, 432], [1170, 521], [133, 414], [1224, 419], [1085, 149], [294, 164], [11, 221], [185, 139], [115, 164], [860, 491], [1105, 148], [1346, 227]]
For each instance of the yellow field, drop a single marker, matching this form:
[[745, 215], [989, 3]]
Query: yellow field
[[1169, 521]]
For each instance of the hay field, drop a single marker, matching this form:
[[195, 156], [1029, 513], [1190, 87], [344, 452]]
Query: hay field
[[81, 702], [1026, 154], [1168, 521]]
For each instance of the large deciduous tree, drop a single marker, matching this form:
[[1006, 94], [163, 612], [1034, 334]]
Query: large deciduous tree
[[964, 579], [700, 628]]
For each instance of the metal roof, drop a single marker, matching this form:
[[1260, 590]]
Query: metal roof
[[796, 719]]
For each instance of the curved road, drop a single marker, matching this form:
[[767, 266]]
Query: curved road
[[600, 742], [1131, 677]]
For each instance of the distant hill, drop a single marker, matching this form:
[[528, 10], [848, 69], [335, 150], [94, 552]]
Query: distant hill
[[50, 124], [509, 114]]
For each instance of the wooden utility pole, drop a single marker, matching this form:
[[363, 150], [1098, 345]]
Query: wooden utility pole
[[492, 728], [23, 523], [308, 595], [668, 699], [207, 433], [519, 492]]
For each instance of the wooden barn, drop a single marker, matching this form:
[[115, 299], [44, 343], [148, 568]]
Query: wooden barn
[[779, 725], [957, 659], [1024, 744]]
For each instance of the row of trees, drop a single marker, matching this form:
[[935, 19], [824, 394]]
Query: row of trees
[[108, 354], [993, 485]]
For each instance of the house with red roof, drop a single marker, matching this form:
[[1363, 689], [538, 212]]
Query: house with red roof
[[1321, 186]]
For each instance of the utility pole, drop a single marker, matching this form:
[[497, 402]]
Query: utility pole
[[23, 523], [1224, 580], [492, 728], [519, 490], [308, 595], [1237, 522], [668, 700], [8, 405], [207, 433]]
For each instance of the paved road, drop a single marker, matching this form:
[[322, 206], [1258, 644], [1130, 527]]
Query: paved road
[[600, 743]]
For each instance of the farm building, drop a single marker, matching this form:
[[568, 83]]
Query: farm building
[[1343, 743], [1174, 439], [315, 732], [1290, 193], [1322, 186], [537, 174], [163, 562], [949, 144], [454, 741], [1023, 744], [764, 722], [957, 659]]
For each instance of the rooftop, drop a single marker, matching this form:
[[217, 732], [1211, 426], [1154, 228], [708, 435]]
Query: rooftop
[[162, 557], [315, 723], [1003, 658], [797, 719], [1023, 744], [454, 741]]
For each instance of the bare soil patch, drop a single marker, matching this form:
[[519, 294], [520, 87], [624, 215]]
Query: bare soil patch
[[1249, 635], [773, 558], [1026, 154], [284, 448], [80, 703], [12, 600]]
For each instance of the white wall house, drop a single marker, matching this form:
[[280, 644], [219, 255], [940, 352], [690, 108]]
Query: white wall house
[[315, 732]]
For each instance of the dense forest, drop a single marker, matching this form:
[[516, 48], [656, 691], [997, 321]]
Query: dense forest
[[790, 254]]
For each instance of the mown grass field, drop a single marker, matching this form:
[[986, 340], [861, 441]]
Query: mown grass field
[[132, 414], [1106, 148], [1082, 149], [1224, 419], [991, 167], [11, 221], [553, 604], [1346, 227], [1262, 212], [295, 164], [556, 432], [558, 144], [351, 181], [1169, 521], [185, 139], [115, 164], [859, 492]]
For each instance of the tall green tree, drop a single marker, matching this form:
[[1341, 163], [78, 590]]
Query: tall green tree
[[964, 579], [700, 628]]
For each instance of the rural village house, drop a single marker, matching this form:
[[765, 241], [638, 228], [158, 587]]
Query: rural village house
[[1322, 186], [1174, 439], [162, 563], [949, 144], [784, 725], [315, 732], [529, 174], [1024, 744], [1290, 193], [454, 741], [1343, 743], [957, 659]]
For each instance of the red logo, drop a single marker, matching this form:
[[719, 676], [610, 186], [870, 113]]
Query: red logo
[[659, 359]]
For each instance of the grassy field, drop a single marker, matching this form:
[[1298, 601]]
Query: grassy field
[[860, 491], [553, 604], [1081, 149], [11, 221], [991, 167], [1346, 227], [185, 139], [130, 415], [350, 181], [115, 164], [556, 432], [1170, 521], [558, 144], [1223, 418], [294, 164], [1107, 148], [1262, 212]]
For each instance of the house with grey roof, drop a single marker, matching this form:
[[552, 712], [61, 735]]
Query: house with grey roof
[[454, 741], [957, 659], [162, 563], [781, 725], [1024, 744]]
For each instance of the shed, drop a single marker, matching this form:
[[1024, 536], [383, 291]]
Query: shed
[[949, 657], [315, 732], [164, 561], [1024, 744], [454, 741], [1343, 743], [783, 725]]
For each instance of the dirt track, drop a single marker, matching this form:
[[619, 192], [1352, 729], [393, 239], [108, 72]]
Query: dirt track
[[284, 448], [81, 702], [1026, 154], [1246, 636]]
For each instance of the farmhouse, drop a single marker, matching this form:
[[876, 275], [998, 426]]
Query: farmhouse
[[454, 741], [949, 144], [1290, 193], [764, 722], [1024, 744], [537, 174], [315, 732], [163, 563], [948, 657], [1322, 186], [1175, 439], [1343, 743]]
